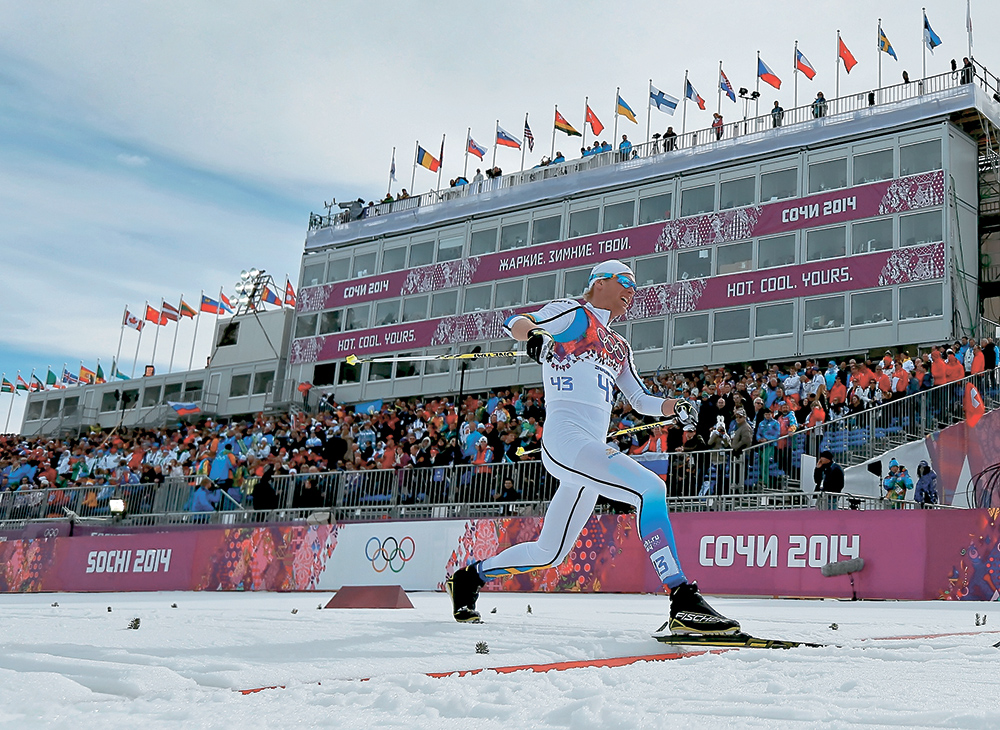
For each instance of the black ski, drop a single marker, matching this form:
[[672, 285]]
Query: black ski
[[735, 641]]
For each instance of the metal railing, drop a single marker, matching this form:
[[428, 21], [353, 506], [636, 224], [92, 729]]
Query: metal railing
[[743, 129]]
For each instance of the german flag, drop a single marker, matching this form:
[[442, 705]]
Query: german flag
[[563, 126]]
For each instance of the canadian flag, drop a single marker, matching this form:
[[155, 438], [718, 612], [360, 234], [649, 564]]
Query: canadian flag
[[132, 321]]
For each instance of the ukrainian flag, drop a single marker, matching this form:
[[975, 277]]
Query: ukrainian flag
[[625, 110], [426, 159]]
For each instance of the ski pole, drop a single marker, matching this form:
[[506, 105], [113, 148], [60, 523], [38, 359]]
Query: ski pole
[[621, 432], [354, 359]]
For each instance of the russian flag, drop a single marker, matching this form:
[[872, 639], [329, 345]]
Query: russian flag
[[802, 64], [184, 409], [475, 149], [506, 139], [766, 74], [693, 95]]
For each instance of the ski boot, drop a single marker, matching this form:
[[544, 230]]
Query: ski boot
[[691, 614], [463, 587]]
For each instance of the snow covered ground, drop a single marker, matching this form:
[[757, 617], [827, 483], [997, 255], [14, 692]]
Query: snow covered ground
[[76, 665]]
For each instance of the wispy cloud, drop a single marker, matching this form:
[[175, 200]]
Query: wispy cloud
[[133, 160]]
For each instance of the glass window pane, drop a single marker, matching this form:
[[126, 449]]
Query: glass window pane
[[364, 265], [619, 215], [34, 410], [647, 335], [172, 391], [921, 301], [338, 268], [514, 236], [692, 330], [349, 373], [312, 275], [871, 236], [433, 367], [262, 382], [356, 317], [387, 313], [108, 402], [510, 293], [415, 308], [407, 368], [737, 193], [151, 396], [379, 371], [826, 243], [871, 307], [826, 313], [694, 264], [192, 390], [450, 248], [52, 407], [655, 208], [70, 406], [394, 259], [541, 289], [698, 200], [778, 185], [444, 304], [421, 254], [651, 270], [775, 319], [914, 158], [776, 251], [583, 222], [828, 175], [735, 258], [477, 298], [545, 230], [305, 325], [574, 282], [483, 242], [920, 228], [330, 321], [239, 385], [872, 167], [732, 325]]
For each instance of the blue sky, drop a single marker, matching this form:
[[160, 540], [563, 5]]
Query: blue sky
[[151, 150]]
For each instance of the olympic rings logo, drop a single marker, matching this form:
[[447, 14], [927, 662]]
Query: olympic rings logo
[[391, 553]]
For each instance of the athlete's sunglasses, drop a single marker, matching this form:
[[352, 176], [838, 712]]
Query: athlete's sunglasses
[[620, 278]]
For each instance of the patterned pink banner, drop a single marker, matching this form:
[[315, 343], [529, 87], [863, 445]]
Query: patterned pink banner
[[864, 271], [865, 201]]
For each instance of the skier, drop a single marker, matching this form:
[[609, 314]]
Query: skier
[[583, 360]]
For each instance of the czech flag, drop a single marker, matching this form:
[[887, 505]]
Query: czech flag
[[766, 74], [693, 95], [210, 305], [563, 126], [802, 64], [475, 149], [849, 60], [426, 159], [506, 139], [727, 88], [184, 409], [595, 124]]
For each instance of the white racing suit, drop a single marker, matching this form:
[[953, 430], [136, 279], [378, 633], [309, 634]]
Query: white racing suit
[[587, 360]]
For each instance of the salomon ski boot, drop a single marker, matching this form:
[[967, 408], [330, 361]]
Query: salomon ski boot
[[463, 587], [691, 614]]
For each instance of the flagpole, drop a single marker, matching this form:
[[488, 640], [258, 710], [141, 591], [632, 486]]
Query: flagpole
[[524, 142], [756, 102], [139, 341], [719, 105], [795, 73], [177, 329], [62, 375], [649, 94], [31, 378], [553, 152], [388, 191], [923, 44], [614, 139], [837, 90], [413, 190], [968, 23], [194, 340], [156, 339], [496, 136], [121, 334], [440, 162], [465, 170], [215, 328], [10, 408], [878, 45], [684, 111]]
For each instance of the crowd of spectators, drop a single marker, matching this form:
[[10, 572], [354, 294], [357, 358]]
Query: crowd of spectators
[[735, 409]]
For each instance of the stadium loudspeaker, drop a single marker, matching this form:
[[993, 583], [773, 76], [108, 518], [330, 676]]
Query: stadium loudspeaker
[[370, 597]]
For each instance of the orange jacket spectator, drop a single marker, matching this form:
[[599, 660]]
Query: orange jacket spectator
[[838, 394], [816, 416], [939, 371], [902, 379], [954, 369], [978, 361]]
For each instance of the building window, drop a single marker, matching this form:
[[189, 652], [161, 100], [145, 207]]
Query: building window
[[325, 373], [421, 254], [775, 319], [619, 215], [387, 313], [364, 265], [34, 410], [872, 167], [694, 264], [172, 391], [108, 402], [415, 308], [477, 298], [192, 390], [647, 335], [922, 157], [239, 386], [655, 208], [737, 193], [379, 371], [735, 258], [541, 289], [916, 302], [514, 236], [356, 317], [407, 368], [349, 373], [778, 185], [230, 334], [483, 242], [826, 243], [338, 268], [698, 200], [828, 175], [691, 330], [872, 307], [450, 248], [574, 282], [52, 407], [70, 407], [509, 293], [871, 236], [305, 325], [394, 259], [651, 270], [312, 275], [435, 367], [583, 222], [151, 396], [733, 324], [444, 304], [262, 382], [776, 251], [920, 228], [330, 321], [544, 230], [824, 314]]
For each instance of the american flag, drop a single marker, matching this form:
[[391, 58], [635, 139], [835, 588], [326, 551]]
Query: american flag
[[528, 136]]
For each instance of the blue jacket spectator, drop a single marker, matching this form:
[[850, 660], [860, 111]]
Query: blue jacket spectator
[[206, 498], [926, 491], [625, 148]]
